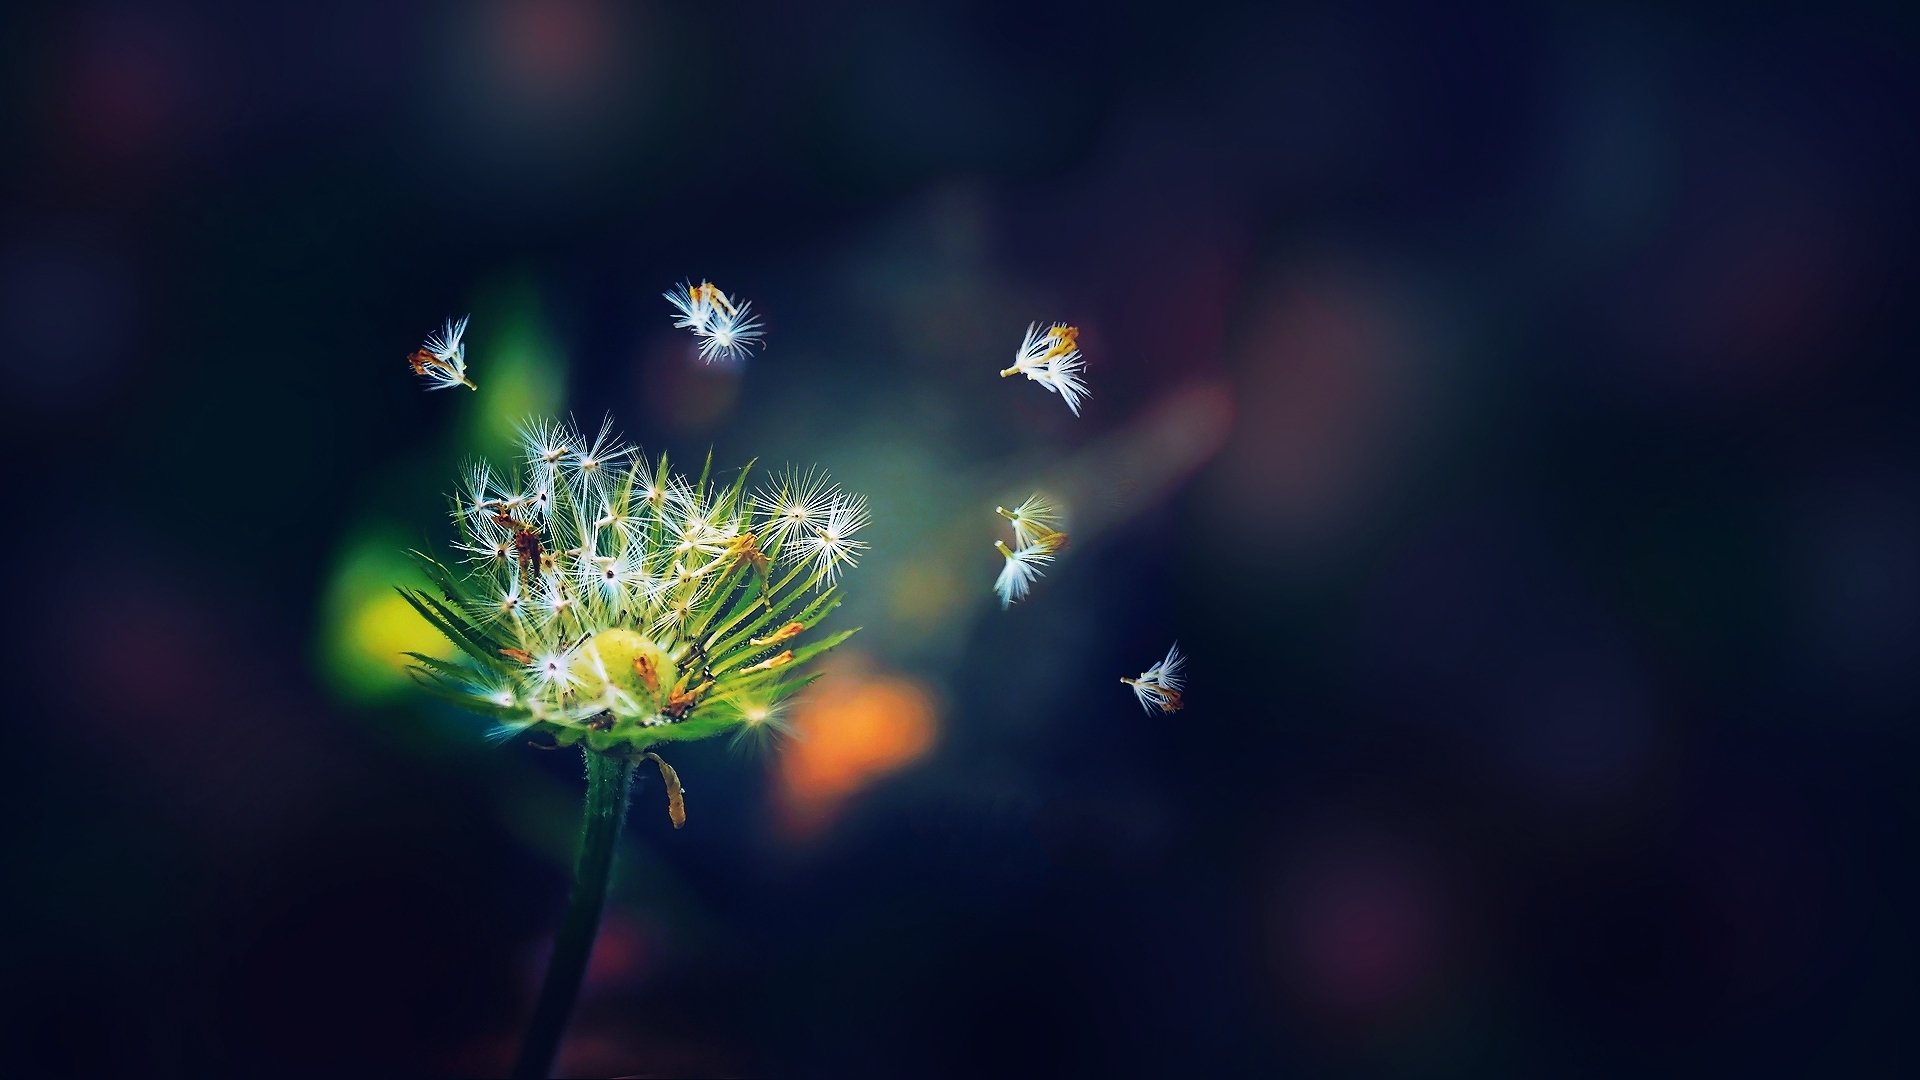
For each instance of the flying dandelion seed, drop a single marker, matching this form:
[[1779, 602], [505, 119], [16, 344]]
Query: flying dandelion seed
[[725, 330], [442, 359], [730, 335], [1051, 357], [693, 302], [1020, 571], [1159, 687], [1034, 523]]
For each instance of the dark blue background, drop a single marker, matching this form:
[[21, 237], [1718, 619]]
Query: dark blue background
[[1510, 411]]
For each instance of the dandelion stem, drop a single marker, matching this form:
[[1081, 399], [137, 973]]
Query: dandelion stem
[[609, 779]]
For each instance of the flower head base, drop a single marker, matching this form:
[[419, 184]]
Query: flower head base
[[442, 360], [1051, 357], [726, 331], [620, 605], [1159, 687]]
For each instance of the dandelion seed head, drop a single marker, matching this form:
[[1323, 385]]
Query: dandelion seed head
[[594, 581]]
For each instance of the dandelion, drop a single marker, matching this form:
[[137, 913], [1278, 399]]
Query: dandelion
[[1033, 524], [616, 607], [1159, 687], [726, 331], [1018, 575], [442, 360], [1051, 357]]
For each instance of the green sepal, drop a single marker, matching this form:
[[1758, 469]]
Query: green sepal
[[800, 656], [455, 629], [809, 616]]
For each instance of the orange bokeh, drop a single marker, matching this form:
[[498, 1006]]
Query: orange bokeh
[[851, 728]]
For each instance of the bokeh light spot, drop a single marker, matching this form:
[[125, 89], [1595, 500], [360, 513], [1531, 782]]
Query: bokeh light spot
[[367, 628], [852, 728]]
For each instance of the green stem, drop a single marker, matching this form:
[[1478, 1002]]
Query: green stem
[[608, 781]]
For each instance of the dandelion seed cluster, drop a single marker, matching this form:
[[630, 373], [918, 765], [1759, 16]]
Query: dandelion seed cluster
[[616, 602], [1051, 357], [1036, 542], [725, 330]]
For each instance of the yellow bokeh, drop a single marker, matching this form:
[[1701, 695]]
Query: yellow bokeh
[[367, 628], [519, 368]]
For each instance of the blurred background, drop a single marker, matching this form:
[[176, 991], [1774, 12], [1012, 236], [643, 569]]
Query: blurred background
[[1510, 411]]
